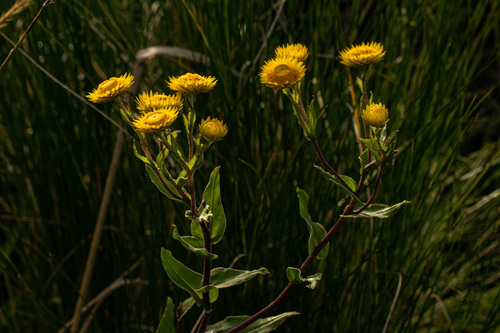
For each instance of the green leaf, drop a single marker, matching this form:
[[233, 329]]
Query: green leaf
[[160, 158], [196, 230], [142, 158], [212, 198], [186, 306], [311, 118], [262, 325], [363, 158], [316, 230], [372, 145], [154, 178], [185, 278], [360, 84], [194, 245], [167, 320], [379, 211], [293, 275], [228, 277], [348, 180]]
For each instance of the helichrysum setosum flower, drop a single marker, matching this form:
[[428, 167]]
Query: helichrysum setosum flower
[[375, 115], [282, 72], [297, 51], [147, 102], [111, 88], [156, 121], [362, 55], [191, 83], [213, 129]]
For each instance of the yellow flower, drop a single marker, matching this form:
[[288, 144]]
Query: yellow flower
[[213, 129], [111, 88], [191, 83], [362, 55], [281, 73], [147, 102], [156, 121], [297, 51], [375, 115]]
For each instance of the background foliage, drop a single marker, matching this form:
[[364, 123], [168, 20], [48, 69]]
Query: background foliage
[[437, 263]]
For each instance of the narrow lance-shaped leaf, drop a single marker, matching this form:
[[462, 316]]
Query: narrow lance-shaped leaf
[[154, 178], [185, 278], [316, 230], [348, 180], [262, 325], [194, 245], [379, 211], [227, 277], [167, 320], [212, 198]]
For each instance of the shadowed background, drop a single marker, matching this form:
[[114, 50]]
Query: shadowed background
[[436, 264]]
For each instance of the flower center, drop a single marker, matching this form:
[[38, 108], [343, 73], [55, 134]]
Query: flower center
[[361, 50], [282, 70], [156, 118], [108, 84]]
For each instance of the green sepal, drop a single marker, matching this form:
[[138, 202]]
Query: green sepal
[[211, 197], [142, 158], [167, 320], [186, 278], [262, 325], [316, 230], [154, 178], [378, 211], [293, 275], [348, 180], [194, 245], [186, 306]]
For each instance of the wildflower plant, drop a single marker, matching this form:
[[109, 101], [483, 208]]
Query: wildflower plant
[[155, 116]]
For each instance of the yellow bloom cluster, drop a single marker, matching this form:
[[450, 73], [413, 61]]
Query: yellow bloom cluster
[[156, 121], [111, 88], [149, 101], [286, 69], [362, 55], [375, 115], [213, 129], [191, 83]]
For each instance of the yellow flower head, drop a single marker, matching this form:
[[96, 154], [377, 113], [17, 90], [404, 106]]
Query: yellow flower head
[[111, 88], [375, 115], [191, 83], [156, 121], [362, 55], [213, 129], [282, 72], [297, 51], [147, 102]]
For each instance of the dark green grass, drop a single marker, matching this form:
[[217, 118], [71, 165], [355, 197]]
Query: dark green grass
[[55, 153]]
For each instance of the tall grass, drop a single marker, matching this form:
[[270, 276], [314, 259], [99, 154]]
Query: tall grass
[[433, 268]]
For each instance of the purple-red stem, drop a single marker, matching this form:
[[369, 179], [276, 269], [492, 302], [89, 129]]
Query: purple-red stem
[[328, 166], [328, 237]]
